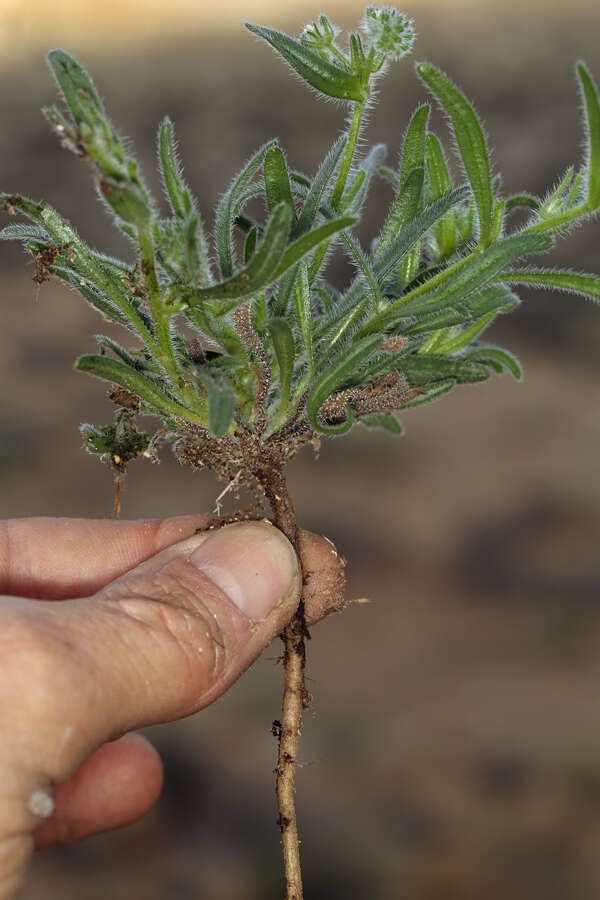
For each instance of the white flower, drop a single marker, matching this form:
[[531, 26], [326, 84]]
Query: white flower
[[391, 32]]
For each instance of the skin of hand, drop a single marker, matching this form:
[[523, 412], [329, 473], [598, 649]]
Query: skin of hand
[[110, 626]]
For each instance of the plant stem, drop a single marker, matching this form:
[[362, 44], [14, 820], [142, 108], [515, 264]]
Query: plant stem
[[295, 695], [353, 133]]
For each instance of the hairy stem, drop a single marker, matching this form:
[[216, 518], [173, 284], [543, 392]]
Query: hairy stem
[[295, 697], [346, 163]]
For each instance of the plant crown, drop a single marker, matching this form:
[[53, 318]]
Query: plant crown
[[242, 346]]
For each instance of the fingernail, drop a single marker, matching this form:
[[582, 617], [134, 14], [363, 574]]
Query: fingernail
[[253, 563]]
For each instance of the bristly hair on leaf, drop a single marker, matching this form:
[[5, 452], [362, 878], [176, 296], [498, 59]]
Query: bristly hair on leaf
[[244, 351]]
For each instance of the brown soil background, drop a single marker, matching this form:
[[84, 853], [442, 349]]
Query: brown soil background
[[453, 751]]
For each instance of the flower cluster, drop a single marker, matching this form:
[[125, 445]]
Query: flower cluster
[[391, 32]]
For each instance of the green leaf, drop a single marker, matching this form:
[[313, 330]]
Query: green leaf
[[264, 266], [96, 267], [439, 183], [369, 165], [250, 245], [563, 280], [382, 420], [464, 278], [303, 310], [228, 208], [221, 402], [283, 344], [413, 147], [170, 169], [423, 369], [76, 86], [22, 232], [518, 200], [404, 209], [88, 290], [453, 343], [414, 230], [312, 239], [490, 300], [317, 188], [334, 377], [470, 140], [312, 67], [498, 356], [363, 264], [119, 373], [591, 100], [431, 393], [277, 180]]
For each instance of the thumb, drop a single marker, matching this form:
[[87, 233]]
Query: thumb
[[166, 638]]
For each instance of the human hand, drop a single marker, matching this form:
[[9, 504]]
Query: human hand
[[155, 622]]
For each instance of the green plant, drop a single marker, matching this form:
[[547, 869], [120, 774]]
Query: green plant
[[243, 350]]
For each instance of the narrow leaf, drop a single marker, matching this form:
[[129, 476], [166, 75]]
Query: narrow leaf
[[76, 85], [592, 129], [312, 239], [457, 342], [518, 200], [118, 373], [303, 311], [277, 180], [563, 280], [170, 171], [404, 209], [432, 393], [23, 232], [363, 264], [413, 147], [221, 402], [470, 140], [425, 369], [263, 267], [334, 377], [312, 67], [382, 420], [92, 294], [283, 344], [415, 229], [452, 287], [228, 207], [497, 357], [318, 187], [494, 299], [439, 183]]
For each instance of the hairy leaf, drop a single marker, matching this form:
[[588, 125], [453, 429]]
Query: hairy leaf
[[456, 284], [303, 310], [277, 180], [470, 140], [592, 129], [283, 344], [228, 207], [573, 282], [334, 377], [318, 187], [221, 402], [263, 267], [497, 357], [118, 373], [322, 75], [439, 184]]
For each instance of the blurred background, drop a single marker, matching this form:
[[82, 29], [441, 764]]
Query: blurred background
[[453, 748]]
